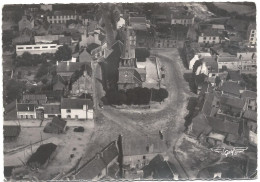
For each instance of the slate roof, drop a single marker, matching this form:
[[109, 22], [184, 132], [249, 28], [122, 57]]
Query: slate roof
[[91, 169], [67, 103], [233, 102], [200, 125], [52, 108], [231, 88], [91, 47], [25, 107], [251, 115], [42, 154], [159, 168], [109, 153], [65, 40], [72, 67], [84, 56], [139, 146], [227, 58], [58, 122], [248, 94], [234, 76], [223, 126], [12, 130], [35, 98]]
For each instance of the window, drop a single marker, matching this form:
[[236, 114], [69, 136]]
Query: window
[[252, 39], [252, 35], [53, 47], [76, 116], [21, 116], [204, 38], [31, 116], [68, 111], [36, 47], [214, 38], [50, 21], [68, 116], [144, 157], [28, 47], [45, 47], [20, 48], [253, 31]]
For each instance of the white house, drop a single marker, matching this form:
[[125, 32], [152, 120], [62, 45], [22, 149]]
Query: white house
[[120, 23], [26, 111], [77, 108]]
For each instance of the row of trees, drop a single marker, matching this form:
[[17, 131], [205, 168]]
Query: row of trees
[[135, 96]]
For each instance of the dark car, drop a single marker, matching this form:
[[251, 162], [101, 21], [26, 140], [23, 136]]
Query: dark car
[[79, 129]]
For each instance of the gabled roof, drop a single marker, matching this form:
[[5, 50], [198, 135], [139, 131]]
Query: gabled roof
[[68, 67], [11, 130], [251, 115], [223, 126], [141, 146], [25, 107], [207, 106], [67, 103], [234, 76], [84, 56], [91, 169], [159, 168], [248, 94], [231, 88], [200, 125], [47, 38], [42, 154], [233, 102], [52, 108], [109, 153], [58, 122]]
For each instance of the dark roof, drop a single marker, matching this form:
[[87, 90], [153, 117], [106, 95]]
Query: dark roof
[[248, 94], [67, 103], [200, 125], [109, 152], [231, 88], [58, 83], [58, 122], [159, 168], [52, 108], [35, 98], [130, 78], [207, 106], [11, 130], [233, 102], [91, 169], [84, 56], [25, 107], [65, 40], [68, 67], [91, 47], [251, 115], [42, 154], [223, 126], [234, 76], [137, 20]]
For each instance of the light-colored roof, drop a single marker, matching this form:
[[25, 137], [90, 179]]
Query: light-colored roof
[[67, 103], [216, 136], [215, 26], [251, 115], [47, 38]]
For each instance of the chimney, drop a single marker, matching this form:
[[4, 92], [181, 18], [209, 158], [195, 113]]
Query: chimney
[[68, 63]]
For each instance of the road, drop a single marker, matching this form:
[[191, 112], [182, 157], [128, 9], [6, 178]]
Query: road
[[169, 119]]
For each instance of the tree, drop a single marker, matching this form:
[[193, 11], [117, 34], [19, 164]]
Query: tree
[[141, 54], [63, 53], [163, 94], [14, 90]]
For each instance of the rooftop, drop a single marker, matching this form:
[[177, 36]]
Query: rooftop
[[231, 88], [23, 107], [233, 102], [251, 115], [248, 94], [67, 103], [66, 66], [52, 108], [12, 130]]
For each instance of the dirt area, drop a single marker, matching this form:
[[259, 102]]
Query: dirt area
[[232, 7], [194, 156], [69, 143]]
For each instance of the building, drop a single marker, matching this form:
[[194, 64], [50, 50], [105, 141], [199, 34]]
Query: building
[[138, 23], [231, 88], [208, 35], [21, 39], [120, 23], [36, 49], [42, 156], [26, 111], [47, 39], [250, 98], [99, 52], [57, 125], [51, 110], [159, 168], [46, 7], [83, 85], [220, 28], [182, 17], [77, 108], [66, 68], [227, 61], [96, 37], [37, 99], [137, 153], [59, 84], [84, 56], [62, 16], [11, 132], [128, 75], [251, 33], [26, 22], [97, 167], [251, 119]]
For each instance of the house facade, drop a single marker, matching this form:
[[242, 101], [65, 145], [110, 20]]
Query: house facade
[[62, 16], [77, 108], [252, 35], [26, 111]]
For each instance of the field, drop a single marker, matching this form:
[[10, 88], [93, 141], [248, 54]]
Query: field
[[238, 8]]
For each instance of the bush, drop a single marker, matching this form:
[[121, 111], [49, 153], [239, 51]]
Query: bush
[[141, 54], [63, 53], [14, 90]]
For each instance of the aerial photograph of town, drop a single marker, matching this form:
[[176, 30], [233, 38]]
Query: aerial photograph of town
[[129, 91]]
